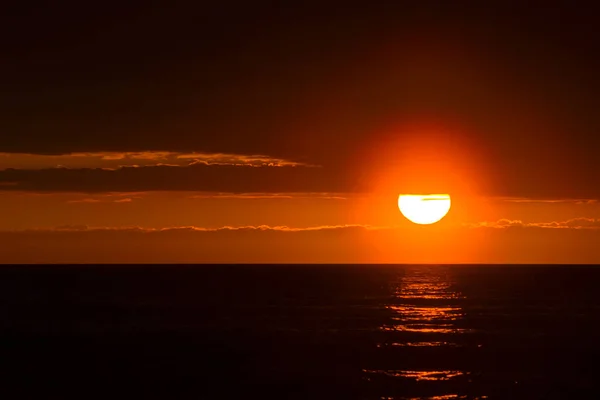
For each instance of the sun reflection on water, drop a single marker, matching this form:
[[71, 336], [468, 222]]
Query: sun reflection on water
[[418, 375], [425, 301], [426, 312], [418, 344], [442, 397]]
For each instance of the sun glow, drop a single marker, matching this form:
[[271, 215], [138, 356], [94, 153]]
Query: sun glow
[[424, 209]]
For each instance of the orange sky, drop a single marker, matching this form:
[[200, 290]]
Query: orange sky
[[293, 227], [268, 134], [96, 207]]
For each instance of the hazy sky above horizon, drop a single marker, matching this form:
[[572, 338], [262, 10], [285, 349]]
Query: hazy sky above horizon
[[284, 132]]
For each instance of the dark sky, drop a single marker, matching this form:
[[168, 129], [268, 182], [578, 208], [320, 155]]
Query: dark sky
[[308, 82]]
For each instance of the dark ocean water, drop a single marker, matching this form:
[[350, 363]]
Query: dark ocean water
[[300, 332]]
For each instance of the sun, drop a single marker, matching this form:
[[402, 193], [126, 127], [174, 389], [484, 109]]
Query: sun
[[424, 209]]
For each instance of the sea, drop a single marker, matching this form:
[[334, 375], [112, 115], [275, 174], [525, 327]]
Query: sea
[[299, 331]]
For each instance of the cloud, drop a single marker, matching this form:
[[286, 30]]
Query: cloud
[[541, 200], [288, 244], [218, 178], [116, 160], [92, 201], [67, 228], [89, 200], [200, 177], [258, 228], [86, 198], [574, 223], [323, 196], [229, 244]]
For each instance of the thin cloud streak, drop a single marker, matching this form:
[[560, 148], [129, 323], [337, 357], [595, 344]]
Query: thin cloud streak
[[117, 160], [100, 200], [258, 228], [286, 244], [529, 200], [103, 195], [573, 223], [219, 178], [199, 177], [289, 196]]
